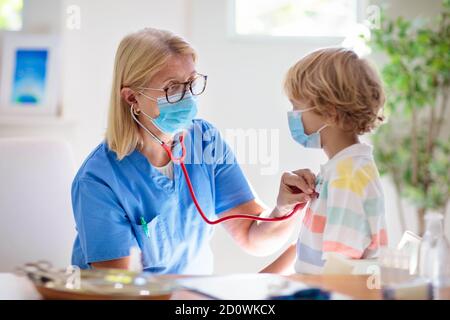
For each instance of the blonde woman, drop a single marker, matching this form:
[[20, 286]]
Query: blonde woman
[[129, 192]]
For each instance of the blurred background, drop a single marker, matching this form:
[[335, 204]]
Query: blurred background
[[245, 47]]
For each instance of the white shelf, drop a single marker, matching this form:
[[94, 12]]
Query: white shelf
[[35, 121]]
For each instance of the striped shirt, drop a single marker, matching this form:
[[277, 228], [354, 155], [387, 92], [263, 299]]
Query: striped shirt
[[348, 216]]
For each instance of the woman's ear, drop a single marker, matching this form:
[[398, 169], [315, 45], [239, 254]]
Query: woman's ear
[[128, 95]]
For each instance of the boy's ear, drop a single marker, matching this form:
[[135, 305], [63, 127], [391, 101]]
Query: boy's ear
[[333, 117]]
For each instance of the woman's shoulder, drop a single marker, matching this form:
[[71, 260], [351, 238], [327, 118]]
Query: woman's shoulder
[[99, 160], [204, 133], [203, 124], [206, 130]]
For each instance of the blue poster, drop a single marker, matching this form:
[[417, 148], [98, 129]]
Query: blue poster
[[29, 77]]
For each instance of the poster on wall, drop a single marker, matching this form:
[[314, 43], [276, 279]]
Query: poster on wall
[[29, 75]]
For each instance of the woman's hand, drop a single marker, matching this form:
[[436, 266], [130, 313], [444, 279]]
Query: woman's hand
[[295, 187], [263, 238]]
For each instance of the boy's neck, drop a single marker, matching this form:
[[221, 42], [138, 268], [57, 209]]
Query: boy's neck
[[335, 140]]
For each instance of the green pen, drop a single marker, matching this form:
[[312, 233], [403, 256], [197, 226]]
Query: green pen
[[145, 227]]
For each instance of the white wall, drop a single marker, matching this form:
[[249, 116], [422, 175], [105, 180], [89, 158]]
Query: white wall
[[244, 86], [246, 82]]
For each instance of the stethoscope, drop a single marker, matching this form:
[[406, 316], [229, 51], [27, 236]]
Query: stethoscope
[[180, 161]]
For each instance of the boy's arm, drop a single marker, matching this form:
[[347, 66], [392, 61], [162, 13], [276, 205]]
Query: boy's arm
[[284, 264]]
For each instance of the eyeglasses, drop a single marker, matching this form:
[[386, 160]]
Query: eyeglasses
[[176, 91]]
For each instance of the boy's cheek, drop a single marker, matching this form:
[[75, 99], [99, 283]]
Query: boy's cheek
[[312, 122]]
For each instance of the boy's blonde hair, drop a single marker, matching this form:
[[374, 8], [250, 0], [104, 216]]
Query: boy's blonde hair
[[139, 57], [343, 87]]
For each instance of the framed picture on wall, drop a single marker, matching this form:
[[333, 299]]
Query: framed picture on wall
[[29, 74]]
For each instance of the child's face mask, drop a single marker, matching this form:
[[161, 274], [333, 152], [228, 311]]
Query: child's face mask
[[298, 131]]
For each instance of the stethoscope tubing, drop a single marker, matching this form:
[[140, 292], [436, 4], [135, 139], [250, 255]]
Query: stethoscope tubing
[[180, 161]]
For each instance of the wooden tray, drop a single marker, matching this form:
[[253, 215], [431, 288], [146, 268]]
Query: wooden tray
[[67, 294]]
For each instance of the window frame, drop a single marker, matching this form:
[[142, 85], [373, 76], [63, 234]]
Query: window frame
[[361, 7]]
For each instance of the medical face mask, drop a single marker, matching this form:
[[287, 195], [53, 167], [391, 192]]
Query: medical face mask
[[298, 131], [174, 117]]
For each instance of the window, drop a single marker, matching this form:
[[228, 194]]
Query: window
[[295, 18], [11, 14]]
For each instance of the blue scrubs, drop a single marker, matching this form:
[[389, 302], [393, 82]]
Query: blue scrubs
[[109, 198]]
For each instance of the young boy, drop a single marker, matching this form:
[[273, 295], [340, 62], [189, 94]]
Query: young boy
[[336, 97]]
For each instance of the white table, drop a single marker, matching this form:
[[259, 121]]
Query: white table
[[13, 287]]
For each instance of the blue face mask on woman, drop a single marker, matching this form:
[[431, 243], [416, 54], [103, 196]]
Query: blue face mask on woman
[[298, 131], [174, 117]]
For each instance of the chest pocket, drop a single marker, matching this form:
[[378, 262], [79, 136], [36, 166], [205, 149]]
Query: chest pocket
[[155, 243]]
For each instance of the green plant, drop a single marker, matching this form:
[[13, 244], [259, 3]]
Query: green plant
[[413, 148]]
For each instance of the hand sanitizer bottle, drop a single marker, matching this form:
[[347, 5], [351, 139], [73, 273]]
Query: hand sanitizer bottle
[[135, 260], [434, 264]]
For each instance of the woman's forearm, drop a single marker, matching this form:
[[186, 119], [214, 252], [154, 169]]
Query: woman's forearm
[[284, 264], [295, 187], [267, 237]]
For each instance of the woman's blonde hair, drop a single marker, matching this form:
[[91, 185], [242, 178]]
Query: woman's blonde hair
[[343, 87], [139, 57]]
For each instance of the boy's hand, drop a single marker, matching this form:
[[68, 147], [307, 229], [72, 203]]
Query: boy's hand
[[295, 187]]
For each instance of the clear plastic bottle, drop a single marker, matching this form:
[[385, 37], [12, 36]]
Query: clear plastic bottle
[[434, 263]]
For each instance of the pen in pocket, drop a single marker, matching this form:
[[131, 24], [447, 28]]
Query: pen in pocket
[[145, 227]]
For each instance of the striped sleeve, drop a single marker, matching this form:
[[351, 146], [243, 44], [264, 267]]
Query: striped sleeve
[[375, 212]]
